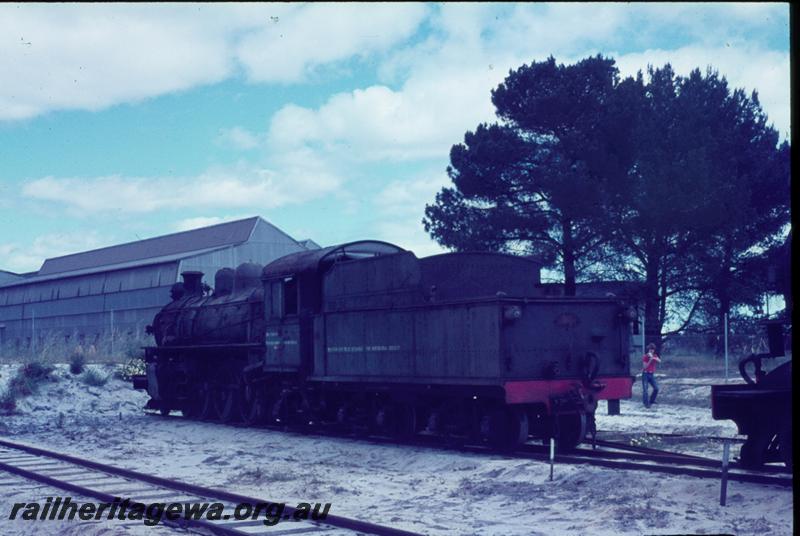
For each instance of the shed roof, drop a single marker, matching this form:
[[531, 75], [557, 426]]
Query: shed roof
[[213, 236], [6, 276]]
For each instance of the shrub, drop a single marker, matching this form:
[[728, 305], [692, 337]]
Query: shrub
[[36, 371], [94, 377], [8, 401], [134, 367], [76, 363], [28, 378]]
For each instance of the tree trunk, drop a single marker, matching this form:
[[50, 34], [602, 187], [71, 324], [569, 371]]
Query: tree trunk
[[652, 304], [723, 288], [568, 255]]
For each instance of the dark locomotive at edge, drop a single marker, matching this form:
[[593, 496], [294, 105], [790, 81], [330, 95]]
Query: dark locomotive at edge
[[368, 334]]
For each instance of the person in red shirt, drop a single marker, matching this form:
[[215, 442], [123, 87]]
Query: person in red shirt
[[649, 361]]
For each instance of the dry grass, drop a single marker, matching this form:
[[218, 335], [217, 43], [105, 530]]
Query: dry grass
[[698, 365], [54, 349]]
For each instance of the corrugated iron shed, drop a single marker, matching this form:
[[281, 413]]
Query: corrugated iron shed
[[86, 294]]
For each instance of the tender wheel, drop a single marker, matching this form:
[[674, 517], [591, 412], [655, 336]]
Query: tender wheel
[[290, 408], [785, 442], [398, 421], [570, 430], [504, 428], [753, 450]]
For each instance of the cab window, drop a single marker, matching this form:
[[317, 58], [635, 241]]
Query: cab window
[[283, 298], [289, 296]]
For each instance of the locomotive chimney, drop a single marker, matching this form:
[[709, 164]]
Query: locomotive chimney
[[192, 282]]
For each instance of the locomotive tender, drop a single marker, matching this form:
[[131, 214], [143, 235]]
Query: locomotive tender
[[366, 334]]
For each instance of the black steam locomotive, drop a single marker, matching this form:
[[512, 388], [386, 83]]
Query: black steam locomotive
[[367, 335]]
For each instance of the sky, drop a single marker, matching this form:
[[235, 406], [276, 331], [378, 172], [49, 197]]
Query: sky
[[332, 121]]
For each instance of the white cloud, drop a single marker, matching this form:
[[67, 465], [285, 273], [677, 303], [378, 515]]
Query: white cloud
[[92, 56], [446, 80], [28, 257], [422, 120], [239, 138], [401, 206], [317, 34], [404, 196], [298, 177], [204, 221]]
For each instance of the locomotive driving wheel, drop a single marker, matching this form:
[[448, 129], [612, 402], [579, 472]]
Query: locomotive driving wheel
[[205, 408], [226, 402], [252, 404], [190, 408]]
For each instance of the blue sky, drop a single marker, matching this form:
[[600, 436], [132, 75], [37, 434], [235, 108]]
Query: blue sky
[[332, 121]]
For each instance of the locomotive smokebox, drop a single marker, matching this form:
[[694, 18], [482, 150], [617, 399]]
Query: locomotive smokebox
[[192, 282]]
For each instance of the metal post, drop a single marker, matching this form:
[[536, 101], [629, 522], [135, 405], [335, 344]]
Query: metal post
[[723, 490], [112, 333], [725, 324], [33, 331], [552, 455]]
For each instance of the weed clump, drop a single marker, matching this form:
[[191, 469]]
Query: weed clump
[[94, 377], [8, 401], [76, 363], [24, 383], [29, 377]]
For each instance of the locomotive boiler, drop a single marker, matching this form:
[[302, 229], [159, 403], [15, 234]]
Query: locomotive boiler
[[367, 335]]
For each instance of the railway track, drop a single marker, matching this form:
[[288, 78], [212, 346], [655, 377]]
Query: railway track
[[611, 454], [665, 462], [112, 484]]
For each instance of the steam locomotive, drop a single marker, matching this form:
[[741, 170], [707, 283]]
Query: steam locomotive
[[368, 336]]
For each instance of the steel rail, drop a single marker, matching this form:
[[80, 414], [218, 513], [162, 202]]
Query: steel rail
[[530, 451], [177, 485], [654, 467]]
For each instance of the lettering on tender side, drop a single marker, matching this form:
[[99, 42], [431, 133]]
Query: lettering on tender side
[[351, 349]]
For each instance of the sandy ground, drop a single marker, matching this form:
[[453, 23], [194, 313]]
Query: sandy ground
[[425, 490]]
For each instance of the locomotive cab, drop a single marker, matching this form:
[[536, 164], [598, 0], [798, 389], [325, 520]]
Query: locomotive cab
[[293, 297]]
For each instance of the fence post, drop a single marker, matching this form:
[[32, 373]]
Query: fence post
[[723, 490], [112, 334], [552, 455]]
